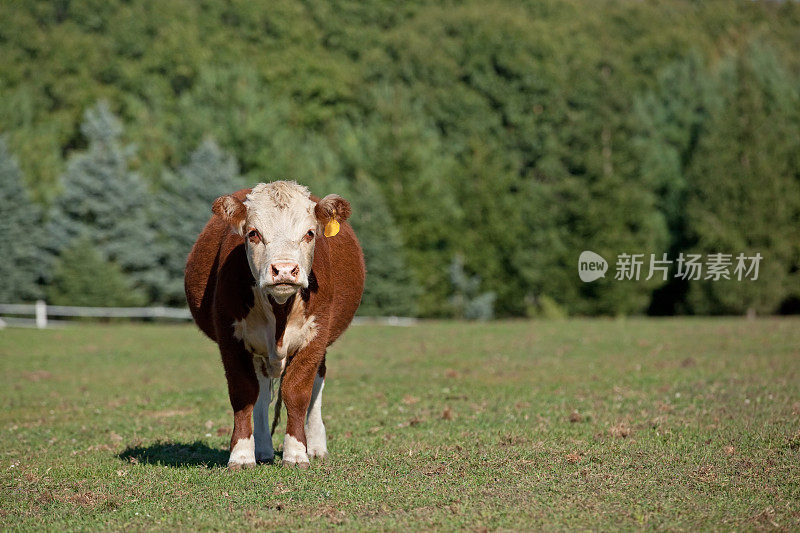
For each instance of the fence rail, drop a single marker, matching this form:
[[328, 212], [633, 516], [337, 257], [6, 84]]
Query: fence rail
[[42, 312]]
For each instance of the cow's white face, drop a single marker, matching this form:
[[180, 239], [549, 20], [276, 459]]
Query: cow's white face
[[280, 225], [280, 231]]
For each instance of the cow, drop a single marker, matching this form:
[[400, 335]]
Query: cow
[[274, 278]]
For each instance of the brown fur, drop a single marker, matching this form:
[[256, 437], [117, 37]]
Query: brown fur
[[219, 286]]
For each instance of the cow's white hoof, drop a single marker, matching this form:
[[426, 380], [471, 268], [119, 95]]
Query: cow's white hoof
[[301, 465], [240, 466], [294, 453], [243, 454], [320, 451]]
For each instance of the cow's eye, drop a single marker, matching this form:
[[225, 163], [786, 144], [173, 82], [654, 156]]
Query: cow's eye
[[253, 236], [309, 236]]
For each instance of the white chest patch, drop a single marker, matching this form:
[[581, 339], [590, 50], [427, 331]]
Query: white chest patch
[[257, 331]]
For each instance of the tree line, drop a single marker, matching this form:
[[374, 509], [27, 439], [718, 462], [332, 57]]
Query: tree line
[[483, 145]]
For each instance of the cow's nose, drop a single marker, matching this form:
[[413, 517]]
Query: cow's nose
[[285, 272]]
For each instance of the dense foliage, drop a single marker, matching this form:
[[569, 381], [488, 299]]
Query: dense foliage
[[481, 143]]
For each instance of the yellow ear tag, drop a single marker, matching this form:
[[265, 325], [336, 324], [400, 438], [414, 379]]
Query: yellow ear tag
[[332, 228]]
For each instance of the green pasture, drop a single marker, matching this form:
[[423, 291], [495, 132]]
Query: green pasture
[[677, 424]]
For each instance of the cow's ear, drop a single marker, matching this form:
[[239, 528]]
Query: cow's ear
[[232, 211], [332, 207]]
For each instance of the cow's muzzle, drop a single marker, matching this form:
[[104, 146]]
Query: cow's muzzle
[[284, 273]]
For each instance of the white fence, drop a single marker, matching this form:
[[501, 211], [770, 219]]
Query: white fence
[[42, 312]]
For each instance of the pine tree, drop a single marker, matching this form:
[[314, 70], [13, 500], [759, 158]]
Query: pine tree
[[182, 209], [390, 287], [493, 230], [404, 157], [670, 120], [21, 260], [744, 192], [82, 277], [103, 201]]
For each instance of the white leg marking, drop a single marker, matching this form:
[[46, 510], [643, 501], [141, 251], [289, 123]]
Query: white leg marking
[[263, 438], [315, 430], [294, 453], [243, 453]]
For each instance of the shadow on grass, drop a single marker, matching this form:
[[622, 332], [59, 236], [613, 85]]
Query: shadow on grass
[[176, 454]]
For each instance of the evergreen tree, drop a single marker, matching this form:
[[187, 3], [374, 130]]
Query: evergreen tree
[[82, 277], [415, 174], [670, 120], [21, 262], [390, 286], [182, 209], [744, 185], [493, 230], [106, 203]]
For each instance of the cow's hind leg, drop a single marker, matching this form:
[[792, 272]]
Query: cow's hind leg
[[261, 432], [317, 441]]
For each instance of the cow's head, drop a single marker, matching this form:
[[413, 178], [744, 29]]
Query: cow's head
[[280, 224]]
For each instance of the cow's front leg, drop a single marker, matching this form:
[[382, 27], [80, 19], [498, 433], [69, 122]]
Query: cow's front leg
[[261, 432], [316, 438], [296, 389], [243, 392]]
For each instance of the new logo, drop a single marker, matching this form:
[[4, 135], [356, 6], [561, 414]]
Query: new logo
[[591, 266]]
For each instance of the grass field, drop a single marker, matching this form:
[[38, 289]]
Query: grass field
[[590, 424]]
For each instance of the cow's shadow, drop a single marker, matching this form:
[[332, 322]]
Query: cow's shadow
[[176, 454], [179, 454]]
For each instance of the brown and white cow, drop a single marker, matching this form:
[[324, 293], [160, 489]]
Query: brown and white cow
[[274, 292]]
